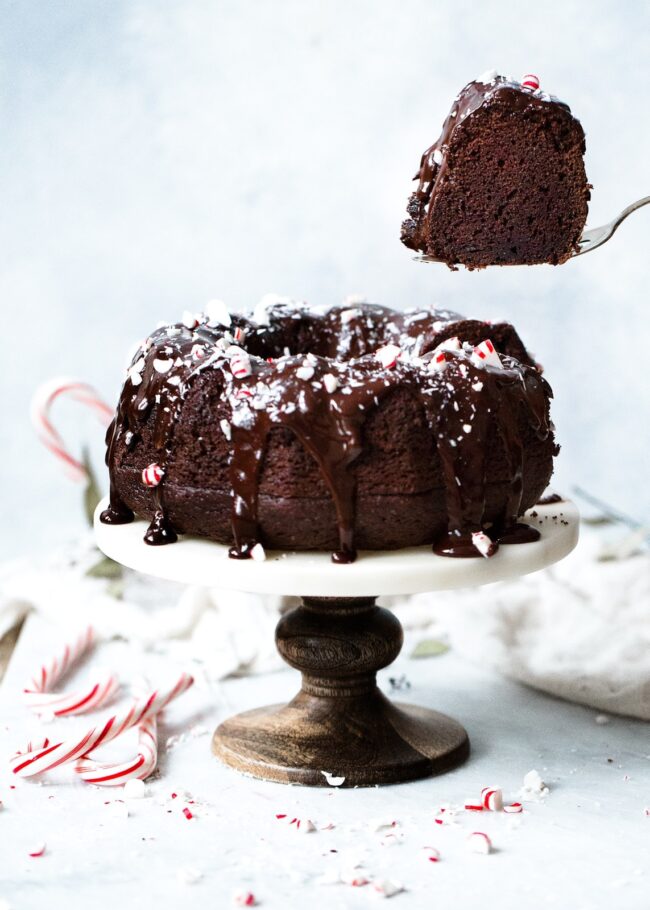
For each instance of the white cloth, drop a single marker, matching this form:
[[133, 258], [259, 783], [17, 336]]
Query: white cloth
[[579, 630]]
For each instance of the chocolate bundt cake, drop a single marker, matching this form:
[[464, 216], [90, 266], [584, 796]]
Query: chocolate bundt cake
[[360, 427], [505, 183]]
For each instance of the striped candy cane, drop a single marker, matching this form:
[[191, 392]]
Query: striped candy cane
[[37, 696], [40, 757], [114, 774], [41, 404]]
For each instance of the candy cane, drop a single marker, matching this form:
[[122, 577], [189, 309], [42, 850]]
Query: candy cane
[[37, 697], [36, 759], [114, 774], [42, 401]]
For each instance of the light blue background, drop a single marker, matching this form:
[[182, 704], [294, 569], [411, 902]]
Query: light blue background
[[156, 154]]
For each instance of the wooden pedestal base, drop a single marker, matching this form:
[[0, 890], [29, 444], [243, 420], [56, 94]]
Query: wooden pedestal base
[[340, 723]]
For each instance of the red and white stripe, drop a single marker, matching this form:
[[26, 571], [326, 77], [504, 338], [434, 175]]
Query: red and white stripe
[[240, 362], [40, 408], [37, 696], [139, 767], [44, 756], [485, 354], [492, 799], [388, 355], [152, 475], [530, 80]]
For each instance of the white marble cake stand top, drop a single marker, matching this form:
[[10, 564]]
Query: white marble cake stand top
[[411, 571]]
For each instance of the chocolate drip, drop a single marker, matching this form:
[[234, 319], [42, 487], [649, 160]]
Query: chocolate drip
[[325, 401]]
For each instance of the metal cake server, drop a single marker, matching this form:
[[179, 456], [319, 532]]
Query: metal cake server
[[595, 237]]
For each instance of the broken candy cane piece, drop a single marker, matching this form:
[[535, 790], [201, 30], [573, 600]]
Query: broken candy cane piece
[[258, 553], [492, 799], [485, 546], [432, 854], [387, 888], [38, 849], [244, 899], [479, 842], [152, 475], [513, 808], [485, 354], [217, 313], [473, 805], [388, 355], [530, 80]]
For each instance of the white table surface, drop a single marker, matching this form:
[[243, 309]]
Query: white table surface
[[586, 846]]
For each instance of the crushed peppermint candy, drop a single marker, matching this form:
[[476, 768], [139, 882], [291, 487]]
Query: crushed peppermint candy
[[388, 355], [330, 382], [492, 799], [226, 429], [530, 80], [240, 362], [473, 805], [190, 320], [152, 475], [217, 313], [534, 787], [479, 842], [513, 808], [437, 157], [38, 849], [387, 888], [485, 354], [162, 366], [244, 899], [134, 789], [438, 361], [348, 315], [305, 372], [258, 553], [485, 546], [432, 854]]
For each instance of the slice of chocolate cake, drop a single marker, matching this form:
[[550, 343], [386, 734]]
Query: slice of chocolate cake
[[505, 183]]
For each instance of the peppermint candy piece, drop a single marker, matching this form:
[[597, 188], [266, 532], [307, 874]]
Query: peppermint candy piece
[[387, 888], [305, 372], [450, 344], [240, 362], [438, 362], [473, 805], [531, 81], [484, 354], [388, 355], [479, 842], [492, 799], [162, 366], [330, 382], [217, 313], [190, 320], [244, 899], [152, 475], [513, 808], [485, 546], [258, 553]]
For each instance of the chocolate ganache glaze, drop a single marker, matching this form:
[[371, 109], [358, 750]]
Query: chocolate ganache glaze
[[505, 181], [260, 425]]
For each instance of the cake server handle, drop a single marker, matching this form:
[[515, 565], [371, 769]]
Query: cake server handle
[[594, 238]]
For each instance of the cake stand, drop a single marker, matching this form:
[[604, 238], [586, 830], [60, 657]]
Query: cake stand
[[340, 724]]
